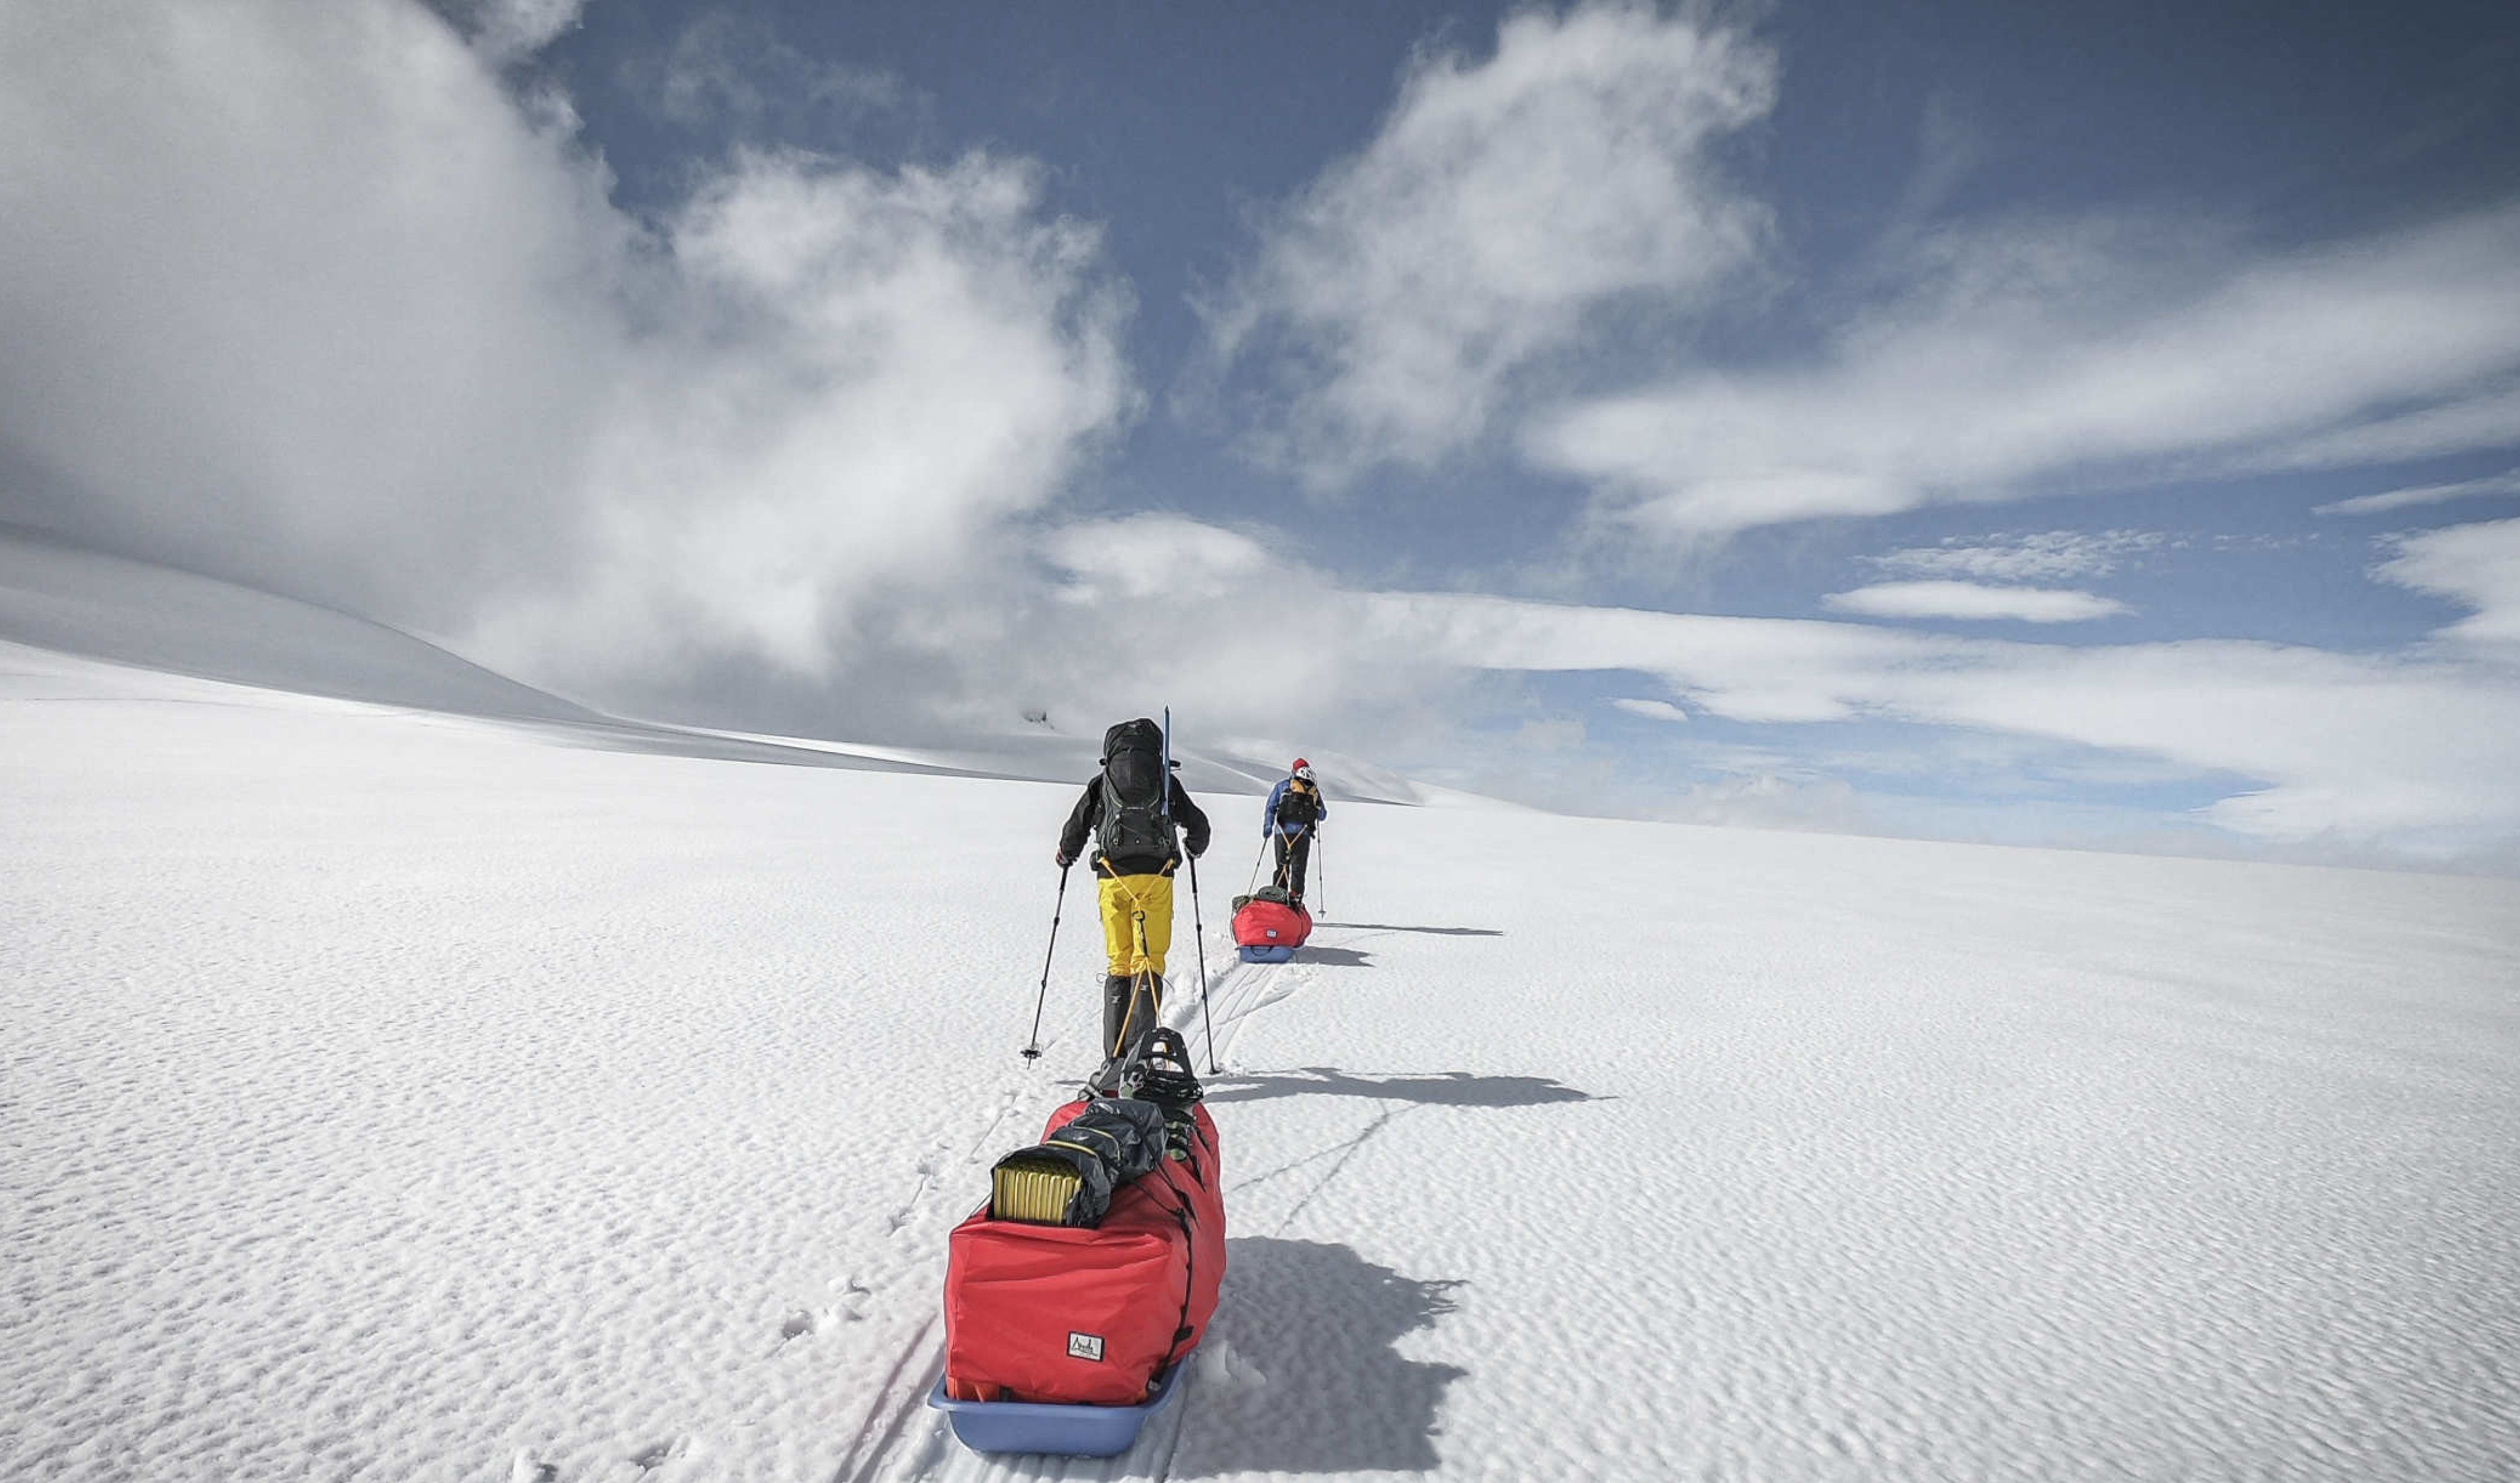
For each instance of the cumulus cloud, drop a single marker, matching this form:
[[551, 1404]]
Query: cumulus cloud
[[299, 295], [2020, 358], [1973, 600], [866, 373], [308, 297], [1503, 204], [2424, 494], [2476, 567]]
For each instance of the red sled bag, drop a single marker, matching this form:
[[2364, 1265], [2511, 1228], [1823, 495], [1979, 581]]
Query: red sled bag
[[1089, 1316], [1264, 923]]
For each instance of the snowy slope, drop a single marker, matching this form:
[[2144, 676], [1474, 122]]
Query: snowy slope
[[60, 597], [396, 1095]]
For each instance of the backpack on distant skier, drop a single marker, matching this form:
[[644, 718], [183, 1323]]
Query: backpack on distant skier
[[1137, 794], [1298, 809]]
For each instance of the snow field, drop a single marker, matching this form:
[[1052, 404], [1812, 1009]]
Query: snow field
[[388, 1095]]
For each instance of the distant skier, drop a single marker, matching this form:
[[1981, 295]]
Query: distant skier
[[1293, 814], [1132, 806]]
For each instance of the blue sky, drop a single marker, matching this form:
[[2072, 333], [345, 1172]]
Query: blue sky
[[1902, 417]]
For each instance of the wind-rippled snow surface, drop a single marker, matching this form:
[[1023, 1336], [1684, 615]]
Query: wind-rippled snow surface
[[391, 1096]]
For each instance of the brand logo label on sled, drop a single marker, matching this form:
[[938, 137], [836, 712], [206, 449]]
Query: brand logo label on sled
[[1085, 1346]]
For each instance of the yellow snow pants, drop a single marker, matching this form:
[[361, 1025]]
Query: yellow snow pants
[[1136, 922]]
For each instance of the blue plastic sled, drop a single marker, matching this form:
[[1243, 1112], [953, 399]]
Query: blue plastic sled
[[1273, 953], [1075, 1431]]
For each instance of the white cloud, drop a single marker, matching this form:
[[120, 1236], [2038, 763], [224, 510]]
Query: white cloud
[[1651, 710], [2411, 752], [1140, 557], [2042, 557], [867, 374], [2488, 419], [345, 339], [2425, 494], [510, 30], [1969, 600], [1779, 800], [2476, 567], [2020, 357], [381, 340], [1502, 205], [736, 69]]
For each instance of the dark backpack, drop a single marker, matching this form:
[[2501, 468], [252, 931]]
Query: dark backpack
[[1298, 808], [1137, 794]]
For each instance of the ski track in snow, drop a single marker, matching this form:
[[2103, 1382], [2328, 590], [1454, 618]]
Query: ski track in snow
[[391, 1094]]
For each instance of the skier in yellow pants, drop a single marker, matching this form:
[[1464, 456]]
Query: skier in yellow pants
[[1133, 807]]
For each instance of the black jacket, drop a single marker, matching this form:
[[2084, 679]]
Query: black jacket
[[1089, 812]]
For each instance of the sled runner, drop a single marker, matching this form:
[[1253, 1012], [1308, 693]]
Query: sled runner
[[1077, 1431]]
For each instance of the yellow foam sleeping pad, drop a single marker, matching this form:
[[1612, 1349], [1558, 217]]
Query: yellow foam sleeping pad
[[1038, 1192]]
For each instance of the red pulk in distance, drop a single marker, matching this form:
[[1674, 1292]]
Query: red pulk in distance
[[1270, 925]]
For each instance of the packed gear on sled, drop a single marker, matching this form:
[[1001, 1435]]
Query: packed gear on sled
[[1042, 1311], [1288, 821], [1269, 924]]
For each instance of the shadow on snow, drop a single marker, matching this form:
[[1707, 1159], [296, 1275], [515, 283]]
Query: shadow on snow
[[1337, 958], [1385, 927], [1319, 1323], [1450, 1089]]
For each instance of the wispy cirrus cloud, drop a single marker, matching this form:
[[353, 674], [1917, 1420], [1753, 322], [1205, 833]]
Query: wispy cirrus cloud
[[734, 69], [2424, 494], [1651, 710], [1973, 600], [2020, 358], [1502, 207], [2476, 567], [2406, 752]]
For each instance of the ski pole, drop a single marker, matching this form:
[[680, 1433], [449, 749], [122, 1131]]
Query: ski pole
[[1032, 1052], [1255, 865], [1198, 929], [1322, 850]]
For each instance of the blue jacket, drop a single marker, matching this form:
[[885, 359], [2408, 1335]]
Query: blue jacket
[[1269, 814]]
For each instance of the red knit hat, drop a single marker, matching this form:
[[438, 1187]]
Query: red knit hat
[[1299, 763]]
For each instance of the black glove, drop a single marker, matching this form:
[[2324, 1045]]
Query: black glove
[[1065, 859]]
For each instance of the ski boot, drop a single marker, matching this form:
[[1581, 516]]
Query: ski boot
[[1130, 1007]]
